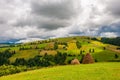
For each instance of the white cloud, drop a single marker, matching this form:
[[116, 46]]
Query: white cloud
[[58, 18], [108, 34], [28, 40]]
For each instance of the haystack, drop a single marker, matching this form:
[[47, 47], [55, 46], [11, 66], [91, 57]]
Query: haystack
[[75, 61], [87, 59]]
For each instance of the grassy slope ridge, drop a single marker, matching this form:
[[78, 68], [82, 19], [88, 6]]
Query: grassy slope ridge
[[97, 71], [99, 54]]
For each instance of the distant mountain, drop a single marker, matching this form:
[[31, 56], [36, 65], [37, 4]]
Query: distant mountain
[[16, 41], [11, 41], [28, 40]]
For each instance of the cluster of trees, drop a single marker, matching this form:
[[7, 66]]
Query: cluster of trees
[[71, 55], [40, 42], [25, 48], [4, 57], [44, 41], [113, 41], [42, 61], [94, 38], [10, 69], [50, 60], [21, 64], [91, 50], [78, 44], [62, 43], [28, 48], [81, 52], [55, 46]]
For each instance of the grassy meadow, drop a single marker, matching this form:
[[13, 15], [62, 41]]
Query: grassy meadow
[[97, 71]]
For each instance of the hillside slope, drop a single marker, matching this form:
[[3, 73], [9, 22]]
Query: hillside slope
[[97, 71], [100, 51]]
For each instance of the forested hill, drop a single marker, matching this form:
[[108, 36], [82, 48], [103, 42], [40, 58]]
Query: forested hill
[[113, 41]]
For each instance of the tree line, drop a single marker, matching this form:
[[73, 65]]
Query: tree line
[[4, 57], [42, 61], [113, 41]]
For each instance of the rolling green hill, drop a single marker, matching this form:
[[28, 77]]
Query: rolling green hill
[[97, 71], [102, 52], [60, 51]]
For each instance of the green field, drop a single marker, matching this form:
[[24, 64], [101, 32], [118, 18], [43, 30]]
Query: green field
[[24, 54], [97, 71]]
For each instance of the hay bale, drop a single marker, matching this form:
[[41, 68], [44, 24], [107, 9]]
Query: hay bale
[[87, 59], [75, 61]]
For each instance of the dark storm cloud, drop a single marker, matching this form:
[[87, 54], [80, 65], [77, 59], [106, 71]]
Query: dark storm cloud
[[53, 14], [49, 15], [24, 22], [62, 10], [113, 28], [113, 7], [77, 33], [53, 24], [42, 23]]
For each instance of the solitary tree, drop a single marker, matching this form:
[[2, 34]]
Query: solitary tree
[[89, 50], [93, 50], [81, 52], [104, 48], [116, 56], [55, 45]]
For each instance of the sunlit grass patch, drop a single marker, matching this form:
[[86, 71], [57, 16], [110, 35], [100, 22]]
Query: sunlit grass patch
[[97, 71]]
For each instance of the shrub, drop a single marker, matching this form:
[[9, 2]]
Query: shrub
[[115, 60], [88, 59], [104, 48], [90, 50], [60, 58], [81, 58], [78, 44], [55, 46], [93, 50], [4, 57], [96, 60], [47, 60], [116, 56], [81, 52], [10, 69], [34, 61], [20, 61]]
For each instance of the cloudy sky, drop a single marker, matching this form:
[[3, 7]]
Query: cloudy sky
[[42, 19]]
